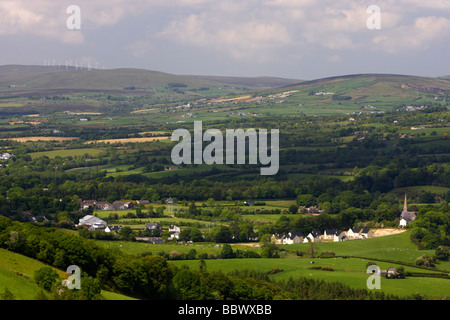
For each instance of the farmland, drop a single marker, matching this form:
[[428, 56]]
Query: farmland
[[351, 147]]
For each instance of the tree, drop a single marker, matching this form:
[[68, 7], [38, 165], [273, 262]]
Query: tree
[[126, 233], [196, 235], [442, 253], [293, 209], [188, 285], [312, 249], [401, 273], [222, 234], [202, 266], [90, 289], [269, 249], [306, 200], [45, 277], [226, 252]]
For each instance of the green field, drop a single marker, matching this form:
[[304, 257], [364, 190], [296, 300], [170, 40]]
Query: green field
[[351, 272], [17, 273], [92, 152]]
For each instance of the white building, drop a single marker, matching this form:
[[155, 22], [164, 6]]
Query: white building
[[92, 221]]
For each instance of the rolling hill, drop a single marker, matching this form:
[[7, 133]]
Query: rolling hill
[[375, 84], [17, 77]]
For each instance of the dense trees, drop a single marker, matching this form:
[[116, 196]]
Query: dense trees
[[431, 228]]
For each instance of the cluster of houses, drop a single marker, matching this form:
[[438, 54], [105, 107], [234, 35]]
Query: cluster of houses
[[309, 210], [94, 223], [105, 205], [331, 235]]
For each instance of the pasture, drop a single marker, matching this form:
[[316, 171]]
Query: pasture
[[92, 152], [127, 140], [351, 272]]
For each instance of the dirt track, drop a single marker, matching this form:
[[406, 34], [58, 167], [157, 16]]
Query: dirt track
[[386, 232]]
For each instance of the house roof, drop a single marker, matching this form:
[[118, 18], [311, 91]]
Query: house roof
[[121, 202], [408, 216], [89, 202], [151, 225], [292, 235], [91, 220]]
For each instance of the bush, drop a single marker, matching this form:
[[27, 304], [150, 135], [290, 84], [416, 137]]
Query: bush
[[322, 268], [327, 254], [442, 253], [45, 277]]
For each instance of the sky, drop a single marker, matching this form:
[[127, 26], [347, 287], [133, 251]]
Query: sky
[[298, 39]]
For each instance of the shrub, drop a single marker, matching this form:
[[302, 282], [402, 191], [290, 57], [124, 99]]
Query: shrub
[[327, 254], [45, 277]]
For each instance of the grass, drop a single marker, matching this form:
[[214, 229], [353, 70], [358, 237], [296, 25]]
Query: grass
[[351, 272], [17, 274], [394, 247], [137, 248], [93, 152], [22, 286]]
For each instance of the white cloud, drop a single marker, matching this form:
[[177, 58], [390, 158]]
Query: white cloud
[[420, 35], [245, 30]]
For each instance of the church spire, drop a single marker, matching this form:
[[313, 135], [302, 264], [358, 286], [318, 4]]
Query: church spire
[[405, 205]]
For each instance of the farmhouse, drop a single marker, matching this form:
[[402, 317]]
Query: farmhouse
[[309, 210], [85, 204], [152, 227], [115, 229], [153, 240], [103, 205], [174, 231], [122, 205]]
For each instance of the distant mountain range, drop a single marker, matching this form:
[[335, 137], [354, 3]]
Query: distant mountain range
[[19, 78], [40, 77]]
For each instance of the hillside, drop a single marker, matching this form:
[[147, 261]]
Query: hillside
[[17, 77], [254, 82], [17, 272]]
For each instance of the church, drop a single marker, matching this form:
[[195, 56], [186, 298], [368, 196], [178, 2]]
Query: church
[[406, 216]]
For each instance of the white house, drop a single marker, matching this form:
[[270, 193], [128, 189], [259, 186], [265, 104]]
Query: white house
[[293, 237], [313, 236], [366, 233], [354, 233], [331, 234], [277, 239], [174, 231]]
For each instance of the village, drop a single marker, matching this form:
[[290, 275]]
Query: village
[[152, 232]]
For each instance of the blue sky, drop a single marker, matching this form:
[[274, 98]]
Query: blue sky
[[301, 39]]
